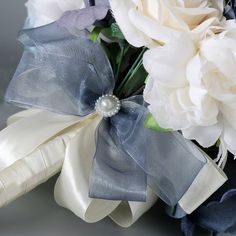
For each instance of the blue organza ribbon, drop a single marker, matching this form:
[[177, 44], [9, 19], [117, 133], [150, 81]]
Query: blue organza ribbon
[[94, 12], [63, 71]]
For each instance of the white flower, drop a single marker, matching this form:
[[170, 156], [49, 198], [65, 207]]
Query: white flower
[[193, 89], [153, 22], [42, 12]]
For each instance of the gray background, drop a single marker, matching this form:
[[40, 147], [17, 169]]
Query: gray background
[[36, 214]]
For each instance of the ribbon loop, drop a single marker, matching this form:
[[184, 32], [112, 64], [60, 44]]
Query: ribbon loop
[[72, 187], [60, 72]]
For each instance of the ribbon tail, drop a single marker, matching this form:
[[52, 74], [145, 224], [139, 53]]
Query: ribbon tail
[[177, 170], [209, 179], [32, 149], [72, 187], [115, 176], [127, 213]]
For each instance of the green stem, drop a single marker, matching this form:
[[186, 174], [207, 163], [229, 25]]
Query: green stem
[[135, 67], [124, 50], [131, 77], [120, 61]]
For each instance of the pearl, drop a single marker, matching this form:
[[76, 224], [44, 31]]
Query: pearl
[[108, 105]]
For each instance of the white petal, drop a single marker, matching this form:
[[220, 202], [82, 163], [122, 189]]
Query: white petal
[[150, 7], [42, 12], [168, 64], [219, 51], [182, 96], [229, 113], [195, 16], [218, 86], [229, 134], [153, 29], [165, 106], [133, 35], [194, 71], [205, 136]]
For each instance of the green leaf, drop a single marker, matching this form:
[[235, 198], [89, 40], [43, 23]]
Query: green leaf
[[218, 143], [151, 123], [113, 32], [116, 32], [95, 33]]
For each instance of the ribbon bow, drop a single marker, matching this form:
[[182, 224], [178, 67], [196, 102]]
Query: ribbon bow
[[66, 73]]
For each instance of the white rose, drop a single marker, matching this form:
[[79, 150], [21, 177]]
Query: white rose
[[152, 22], [193, 89], [42, 12]]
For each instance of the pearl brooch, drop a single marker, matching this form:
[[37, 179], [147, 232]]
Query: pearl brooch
[[108, 105]]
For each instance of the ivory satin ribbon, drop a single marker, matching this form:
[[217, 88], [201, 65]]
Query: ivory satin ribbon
[[38, 144], [33, 148]]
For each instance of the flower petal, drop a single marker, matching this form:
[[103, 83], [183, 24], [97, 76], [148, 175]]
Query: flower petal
[[229, 134], [133, 35], [205, 136], [152, 29], [167, 64], [42, 12]]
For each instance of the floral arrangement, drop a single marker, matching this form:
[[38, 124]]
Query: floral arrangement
[[132, 102]]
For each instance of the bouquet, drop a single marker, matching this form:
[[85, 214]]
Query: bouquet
[[131, 102]]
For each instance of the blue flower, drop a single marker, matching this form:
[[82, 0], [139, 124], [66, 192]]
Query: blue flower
[[218, 213], [230, 9]]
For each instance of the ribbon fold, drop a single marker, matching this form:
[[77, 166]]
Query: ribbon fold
[[47, 159], [66, 73]]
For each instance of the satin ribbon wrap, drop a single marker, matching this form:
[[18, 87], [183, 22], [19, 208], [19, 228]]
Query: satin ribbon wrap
[[19, 174], [27, 159], [66, 72]]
